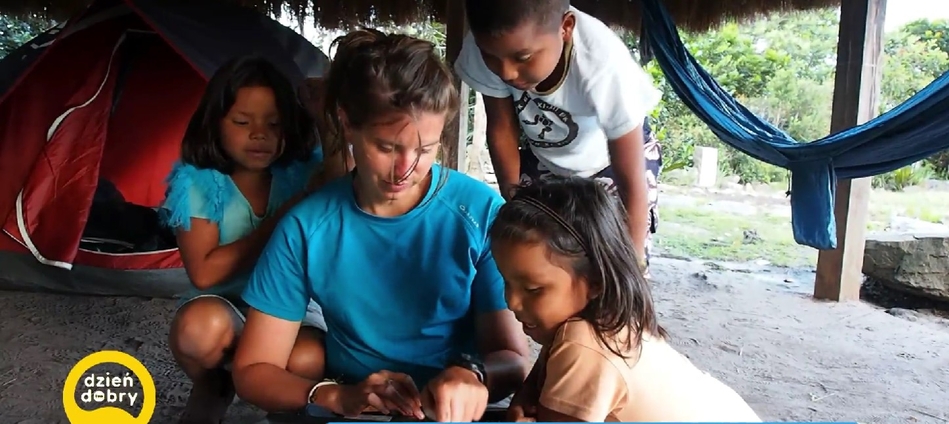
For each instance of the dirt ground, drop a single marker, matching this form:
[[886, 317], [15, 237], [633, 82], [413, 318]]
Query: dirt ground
[[794, 359]]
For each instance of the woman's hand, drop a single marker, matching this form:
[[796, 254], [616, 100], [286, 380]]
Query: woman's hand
[[386, 392], [523, 406], [455, 395]]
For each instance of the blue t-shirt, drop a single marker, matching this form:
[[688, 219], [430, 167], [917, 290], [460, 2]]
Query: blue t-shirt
[[398, 294], [209, 194]]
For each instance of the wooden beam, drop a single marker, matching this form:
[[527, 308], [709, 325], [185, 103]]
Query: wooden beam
[[856, 100], [478, 149], [456, 25], [455, 137]]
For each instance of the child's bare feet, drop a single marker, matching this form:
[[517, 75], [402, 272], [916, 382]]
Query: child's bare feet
[[210, 397]]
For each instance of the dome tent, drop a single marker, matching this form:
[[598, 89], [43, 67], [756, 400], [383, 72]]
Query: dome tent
[[92, 113]]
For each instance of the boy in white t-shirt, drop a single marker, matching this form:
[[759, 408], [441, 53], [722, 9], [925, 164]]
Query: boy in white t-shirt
[[569, 84]]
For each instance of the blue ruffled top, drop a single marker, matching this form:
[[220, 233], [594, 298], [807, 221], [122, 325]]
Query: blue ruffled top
[[212, 195]]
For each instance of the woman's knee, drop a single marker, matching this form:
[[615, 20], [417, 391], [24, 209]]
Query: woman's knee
[[203, 330], [308, 357]]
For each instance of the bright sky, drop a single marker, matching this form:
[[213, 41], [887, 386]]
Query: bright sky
[[900, 12]]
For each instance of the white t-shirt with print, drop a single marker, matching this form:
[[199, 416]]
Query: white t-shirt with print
[[604, 96]]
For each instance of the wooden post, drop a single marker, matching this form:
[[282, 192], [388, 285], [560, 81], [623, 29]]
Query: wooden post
[[706, 162], [856, 100], [455, 137], [477, 150]]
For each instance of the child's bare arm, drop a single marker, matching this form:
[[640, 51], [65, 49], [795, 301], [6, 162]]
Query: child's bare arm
[[623, 95], [502, 137], [207, 263], [503, 128], [629, 167]]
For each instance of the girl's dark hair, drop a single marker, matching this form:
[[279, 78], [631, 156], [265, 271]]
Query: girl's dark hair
[[374, 74], [201, 145], [578, 219]]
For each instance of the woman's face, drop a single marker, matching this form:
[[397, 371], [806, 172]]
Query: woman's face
[[394, 155]]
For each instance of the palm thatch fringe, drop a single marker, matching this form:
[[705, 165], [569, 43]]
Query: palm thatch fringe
[[690, 15]]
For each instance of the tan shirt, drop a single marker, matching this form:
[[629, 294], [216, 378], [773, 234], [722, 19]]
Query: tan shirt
[[583, 379]]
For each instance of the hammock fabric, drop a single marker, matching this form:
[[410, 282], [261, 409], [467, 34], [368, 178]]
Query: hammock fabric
[[912, 131]]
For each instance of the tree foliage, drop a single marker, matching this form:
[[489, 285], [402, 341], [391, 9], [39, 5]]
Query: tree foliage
[[782, 68], [14, 32]]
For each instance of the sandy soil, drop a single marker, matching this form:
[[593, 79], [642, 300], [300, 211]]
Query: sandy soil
[[791, 357]]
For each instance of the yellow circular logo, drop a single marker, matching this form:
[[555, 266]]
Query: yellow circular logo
[[109, 391]]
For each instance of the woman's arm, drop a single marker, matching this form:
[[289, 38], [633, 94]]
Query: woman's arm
[[629, 166], [260, 364], [500, 337], [503, 346], [502, 131], [533, 377], [458, 394], [278, 296]]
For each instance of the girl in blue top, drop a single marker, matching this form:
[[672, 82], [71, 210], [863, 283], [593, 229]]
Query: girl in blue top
[[395, 251], [246, 158]]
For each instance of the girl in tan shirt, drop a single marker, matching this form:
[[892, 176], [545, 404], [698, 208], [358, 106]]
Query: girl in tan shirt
[[572, 281]]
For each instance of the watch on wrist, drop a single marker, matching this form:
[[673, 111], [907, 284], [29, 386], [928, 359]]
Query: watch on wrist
[[470, 363]]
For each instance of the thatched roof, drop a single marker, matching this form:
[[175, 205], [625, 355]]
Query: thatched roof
[[697, 15]]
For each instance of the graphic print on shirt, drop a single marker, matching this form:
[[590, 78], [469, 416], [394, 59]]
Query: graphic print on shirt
[[545, 125]]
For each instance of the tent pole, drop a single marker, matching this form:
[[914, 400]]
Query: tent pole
[[856, 100]]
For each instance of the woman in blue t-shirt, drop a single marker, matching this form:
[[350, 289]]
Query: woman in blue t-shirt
[[396, 252]]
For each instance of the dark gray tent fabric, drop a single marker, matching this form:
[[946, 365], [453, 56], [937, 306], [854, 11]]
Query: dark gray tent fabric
[[208, 33], [21, 272]]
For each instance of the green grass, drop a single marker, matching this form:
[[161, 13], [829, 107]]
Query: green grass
[[687, 228], [929, 206], [713, 235]]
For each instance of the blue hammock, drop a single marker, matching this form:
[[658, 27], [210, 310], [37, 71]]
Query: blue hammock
[[914, 130]]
